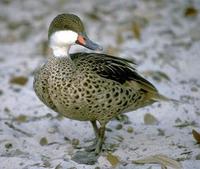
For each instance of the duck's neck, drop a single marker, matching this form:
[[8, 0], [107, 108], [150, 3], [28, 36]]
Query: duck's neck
[[61, 58], [61, 51]]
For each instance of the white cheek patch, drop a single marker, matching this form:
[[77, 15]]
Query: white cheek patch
[[61, 41], [62, 38]]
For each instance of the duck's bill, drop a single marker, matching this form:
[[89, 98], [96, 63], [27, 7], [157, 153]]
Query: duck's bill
[[83, 40]]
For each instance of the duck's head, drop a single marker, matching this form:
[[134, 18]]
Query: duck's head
[[66, 30]]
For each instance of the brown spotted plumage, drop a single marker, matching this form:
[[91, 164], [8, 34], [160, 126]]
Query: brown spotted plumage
[[91, 89], [91, 86]]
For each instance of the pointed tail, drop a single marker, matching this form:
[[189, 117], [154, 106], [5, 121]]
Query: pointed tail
[[160, 97]]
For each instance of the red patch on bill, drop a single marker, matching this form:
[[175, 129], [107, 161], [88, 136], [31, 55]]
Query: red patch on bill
[[81, 40]]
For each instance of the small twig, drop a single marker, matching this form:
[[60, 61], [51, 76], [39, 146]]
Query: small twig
[[6, 119], [17, 129], [187, 153], [186, 124], [29, 118]]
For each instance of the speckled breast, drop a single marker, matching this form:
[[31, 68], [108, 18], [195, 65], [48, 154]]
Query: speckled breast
[[82, 95]]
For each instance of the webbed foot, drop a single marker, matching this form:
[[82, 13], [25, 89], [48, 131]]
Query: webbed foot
[[91, 147], [90, 157], [85, 157]]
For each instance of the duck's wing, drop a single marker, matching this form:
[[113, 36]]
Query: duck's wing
[[114, 68]]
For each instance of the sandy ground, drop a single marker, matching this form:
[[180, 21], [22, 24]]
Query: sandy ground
[[163, 36]]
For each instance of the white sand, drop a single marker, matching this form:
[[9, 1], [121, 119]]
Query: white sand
[[170, 43]]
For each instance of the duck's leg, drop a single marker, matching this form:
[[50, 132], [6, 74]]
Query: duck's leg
[[100, 139], [86, 157], [96, 129], [95, 140]]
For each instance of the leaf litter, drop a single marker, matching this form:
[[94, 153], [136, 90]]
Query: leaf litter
[[161, 159], [196, 136], [19, 80], [150, 119], [114, 160]]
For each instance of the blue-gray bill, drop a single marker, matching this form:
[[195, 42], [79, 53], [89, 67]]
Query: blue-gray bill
[[83, 40]]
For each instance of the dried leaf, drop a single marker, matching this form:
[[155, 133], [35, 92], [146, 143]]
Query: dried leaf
[[161, 132], [194, 89], [6, 2], [1, 92], [8, 145], [123, 119], [197, 113], [196, 136], [163, 160], [7, 110], [21, 118], [136, 30], [130, 129], [119, 127], [75, 142], [197, 157], [20, 80], [13, 25], [150, 119], [114, 161], [43, 141], [191, 11], [59, 166]]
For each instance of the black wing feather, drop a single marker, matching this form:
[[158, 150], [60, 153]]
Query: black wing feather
[[111, 67]]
